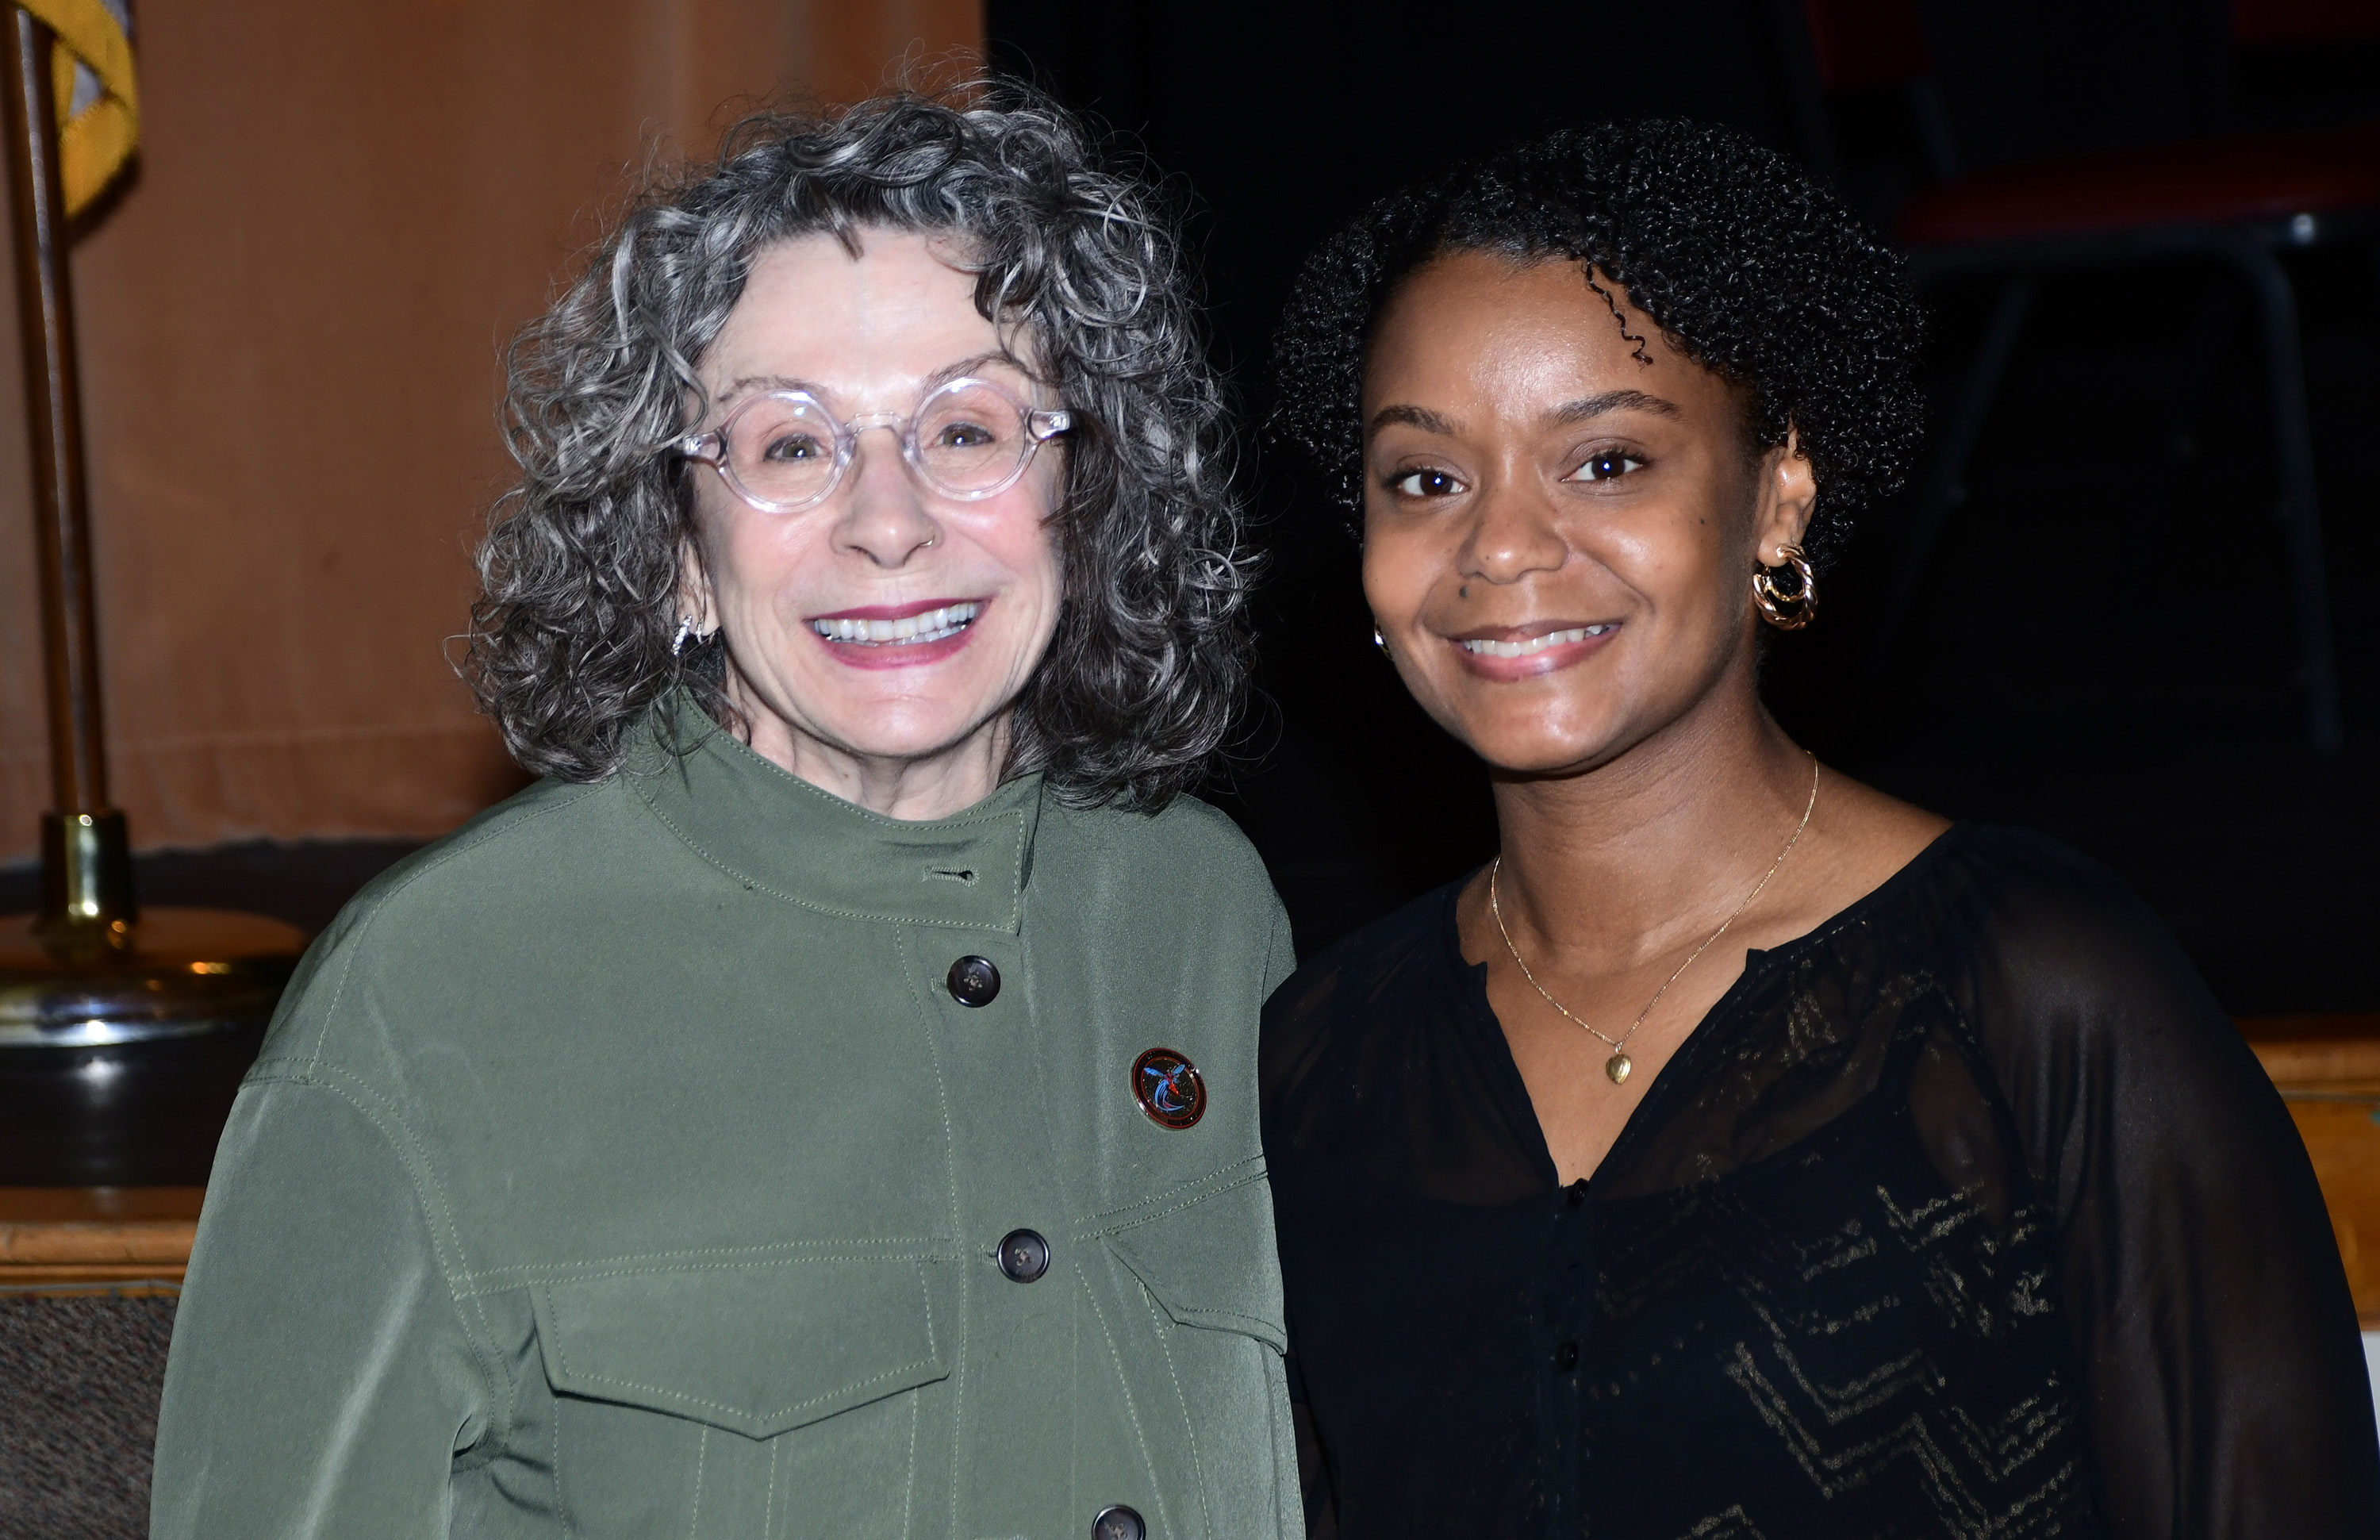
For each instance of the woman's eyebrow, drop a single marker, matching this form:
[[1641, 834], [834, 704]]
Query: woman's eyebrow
[[948, 372], [766, 382], [1417, 417], [1610, 401], [941, 376]]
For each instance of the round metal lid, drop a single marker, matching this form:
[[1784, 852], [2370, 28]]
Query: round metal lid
[[173, 973]]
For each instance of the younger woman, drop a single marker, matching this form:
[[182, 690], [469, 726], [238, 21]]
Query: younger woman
[[1743, 1153]]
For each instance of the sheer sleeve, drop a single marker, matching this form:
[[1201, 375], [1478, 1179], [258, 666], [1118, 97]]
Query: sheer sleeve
[[2224, 1385], [1294, 1022]]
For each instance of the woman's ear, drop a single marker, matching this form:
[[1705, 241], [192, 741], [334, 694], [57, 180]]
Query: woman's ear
[[1788, 495], [695, 601]]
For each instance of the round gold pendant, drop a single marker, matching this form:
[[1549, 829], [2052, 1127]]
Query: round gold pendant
[[1617, 1067]]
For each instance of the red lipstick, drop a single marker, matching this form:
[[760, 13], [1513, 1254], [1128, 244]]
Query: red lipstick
[[898, 636]]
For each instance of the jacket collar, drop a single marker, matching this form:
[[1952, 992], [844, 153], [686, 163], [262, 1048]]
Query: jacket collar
[[776, 832]]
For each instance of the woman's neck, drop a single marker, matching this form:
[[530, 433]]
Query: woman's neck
[[1622, 861], [948, 780]]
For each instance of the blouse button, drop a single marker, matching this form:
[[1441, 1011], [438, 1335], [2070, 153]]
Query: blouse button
[[1566, 1357], [1117, 1522], [1577, 1193], [1024, 1255], [973, 981]]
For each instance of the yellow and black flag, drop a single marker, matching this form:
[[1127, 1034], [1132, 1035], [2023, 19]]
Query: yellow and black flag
[[99, 107]]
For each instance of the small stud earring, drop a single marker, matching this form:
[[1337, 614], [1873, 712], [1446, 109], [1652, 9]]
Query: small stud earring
[[1379, 641]]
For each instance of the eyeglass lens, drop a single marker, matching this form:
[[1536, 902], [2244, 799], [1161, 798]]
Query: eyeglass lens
[[969, 440]]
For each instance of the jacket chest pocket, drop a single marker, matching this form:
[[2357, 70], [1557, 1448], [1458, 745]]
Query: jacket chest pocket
[[765, 1400]]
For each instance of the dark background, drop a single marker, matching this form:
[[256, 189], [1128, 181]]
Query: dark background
[[2102, 647]]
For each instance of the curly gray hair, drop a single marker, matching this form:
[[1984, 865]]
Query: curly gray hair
[[570, 645]]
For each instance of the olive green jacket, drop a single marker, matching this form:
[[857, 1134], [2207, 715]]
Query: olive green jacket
[[624, 1166]]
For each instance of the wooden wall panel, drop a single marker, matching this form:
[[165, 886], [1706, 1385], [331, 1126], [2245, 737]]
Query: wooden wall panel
[[2328, 1071], [291, 319]]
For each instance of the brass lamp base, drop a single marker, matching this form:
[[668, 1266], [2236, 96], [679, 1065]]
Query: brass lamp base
[[172, 973], [122, 1043]]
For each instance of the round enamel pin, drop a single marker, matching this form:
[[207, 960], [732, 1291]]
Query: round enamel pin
[[1169, 1088]]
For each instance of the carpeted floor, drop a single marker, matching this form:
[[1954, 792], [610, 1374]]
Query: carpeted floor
[[79, 1379]]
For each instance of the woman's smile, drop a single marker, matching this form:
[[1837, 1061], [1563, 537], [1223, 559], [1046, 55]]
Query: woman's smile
[[898, 636], [1514, 652]]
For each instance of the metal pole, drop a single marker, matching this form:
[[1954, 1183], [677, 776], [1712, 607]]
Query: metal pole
[[121, 1043], [86, 857], [2300, 509]]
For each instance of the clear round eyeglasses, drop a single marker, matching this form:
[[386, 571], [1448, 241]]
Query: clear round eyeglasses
[[783, 452]]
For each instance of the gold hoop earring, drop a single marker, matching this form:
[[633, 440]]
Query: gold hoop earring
[[1787, 611]]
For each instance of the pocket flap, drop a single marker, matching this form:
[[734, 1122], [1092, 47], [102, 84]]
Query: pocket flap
[[756, 1348], [1211, 1264]]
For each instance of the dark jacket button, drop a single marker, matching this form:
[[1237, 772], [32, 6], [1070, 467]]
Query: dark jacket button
[[1566, 1357], [1023, 1257], [973, 981], [1117, 1522]]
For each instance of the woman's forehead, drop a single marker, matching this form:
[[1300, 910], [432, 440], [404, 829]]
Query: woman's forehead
[[896, 313], [1525, 336]]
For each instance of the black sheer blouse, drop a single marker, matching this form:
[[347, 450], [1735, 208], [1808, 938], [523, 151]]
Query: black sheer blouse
[[1967, 1214]]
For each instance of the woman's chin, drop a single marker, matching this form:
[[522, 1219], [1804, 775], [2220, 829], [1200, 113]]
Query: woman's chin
[[903, 743], [1529, 749]]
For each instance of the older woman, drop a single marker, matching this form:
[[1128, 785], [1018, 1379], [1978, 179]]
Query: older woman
[[1742, 1153], [825, 1105]]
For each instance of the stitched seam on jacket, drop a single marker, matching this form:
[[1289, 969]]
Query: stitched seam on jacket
[[924, 1248], [1273, 1329], [425, 1189], [1124, 1384], [1202, 1316], [928, 1023], [561, 1503], [1158, 1319], [1212, 1185], [1016, 907], [768, 1513], [679, 1267], [909, 1475], [435, 1214], [348, 944]]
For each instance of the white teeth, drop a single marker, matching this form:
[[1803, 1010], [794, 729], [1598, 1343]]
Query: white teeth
[[1535, 644], [934, 625]]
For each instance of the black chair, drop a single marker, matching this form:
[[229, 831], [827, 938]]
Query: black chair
[[2239, 202]]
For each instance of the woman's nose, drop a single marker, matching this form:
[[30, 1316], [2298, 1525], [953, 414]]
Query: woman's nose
[[1514, 532], [883, 517]]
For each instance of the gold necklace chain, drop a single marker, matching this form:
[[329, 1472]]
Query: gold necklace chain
[[1619, 1064]]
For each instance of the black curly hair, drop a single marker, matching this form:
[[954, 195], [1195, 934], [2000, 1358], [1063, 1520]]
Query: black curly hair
[[1747, 266]]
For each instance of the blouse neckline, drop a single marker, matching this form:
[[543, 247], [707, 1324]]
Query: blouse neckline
[[1758, 963]]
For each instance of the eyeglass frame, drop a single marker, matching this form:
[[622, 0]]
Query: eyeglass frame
[[710, 447]]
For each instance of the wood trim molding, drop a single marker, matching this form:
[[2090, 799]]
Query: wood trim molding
[[72, 1239], [2327, 1070]]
